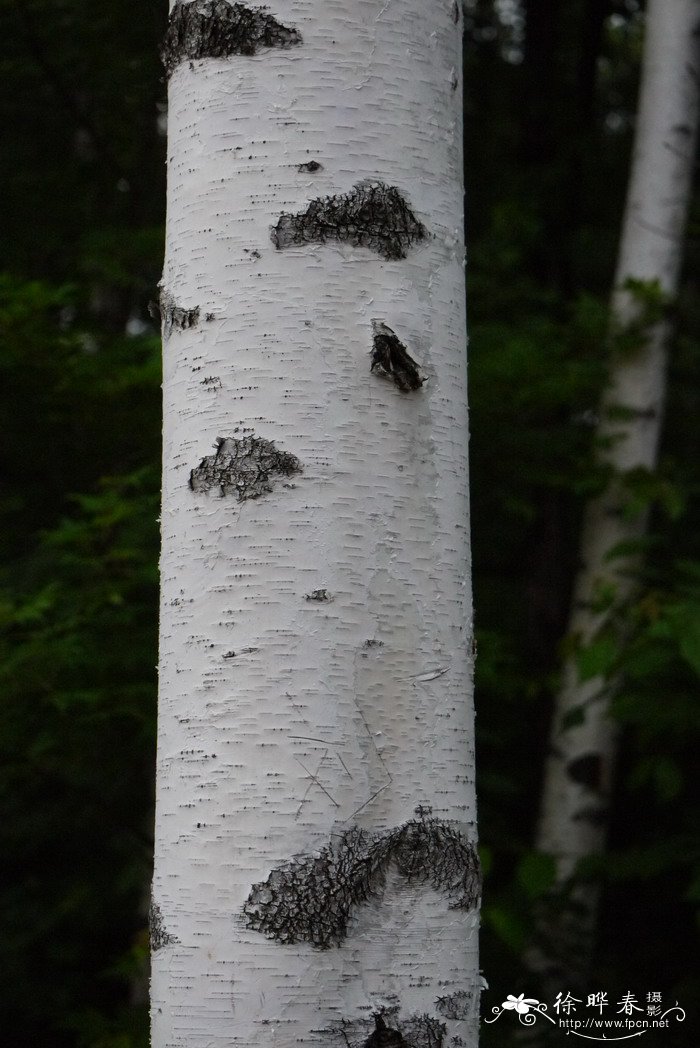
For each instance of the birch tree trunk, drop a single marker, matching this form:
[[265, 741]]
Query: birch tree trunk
[[316, 880], [582, 747]]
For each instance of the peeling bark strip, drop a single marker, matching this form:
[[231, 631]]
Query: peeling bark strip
[[243, 468], [158, 935], [172, 315], [217, 29], [371, 215], [391, 359], [309, 899]]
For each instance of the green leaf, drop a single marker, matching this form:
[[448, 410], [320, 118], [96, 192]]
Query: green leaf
[[535, 873], [598, 658], [507, 925]]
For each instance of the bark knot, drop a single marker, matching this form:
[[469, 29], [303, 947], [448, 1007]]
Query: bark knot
[[173, 315], [391, 359]]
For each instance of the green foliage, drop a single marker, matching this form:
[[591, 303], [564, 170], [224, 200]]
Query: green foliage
[[541, 257], [76, 651], [78, 586], [81, 225], [535, 874], [598, 658]]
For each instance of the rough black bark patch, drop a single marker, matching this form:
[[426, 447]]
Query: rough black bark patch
[[455, 1005], [320, 595], [158, 934], [391, 1031], [217, 29], [310, 165], [371, 215], [423, 1031], [384, 1036], [391, 359], [310, 898], [171, 315], [243, 468]]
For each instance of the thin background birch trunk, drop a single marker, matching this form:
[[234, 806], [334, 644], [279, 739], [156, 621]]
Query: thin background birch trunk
[[315, 874], [580, 765]]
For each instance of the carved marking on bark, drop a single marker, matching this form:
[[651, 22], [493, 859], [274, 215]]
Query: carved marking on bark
[[371, 215], [217, 29], [159, 936], [391, 359], [309, 899], [243, 468], [173, 316]]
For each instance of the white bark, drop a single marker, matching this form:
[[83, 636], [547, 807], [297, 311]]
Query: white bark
[[285, 721], [573, 821]]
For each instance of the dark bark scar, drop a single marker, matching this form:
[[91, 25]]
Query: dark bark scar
[[371, 215], [243, 467], [391, 359], [310, 898], [173, 315], [391, 1030], [218, 29], [159, 936]]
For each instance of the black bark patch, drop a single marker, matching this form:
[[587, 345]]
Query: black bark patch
[[159, 936], [384, 1036], [243, 468], [320, 595], [310, 165], [391, 359], [455, 1005], [371, 215], [217, 29], [390, 1031], [587, 770], [310, 898], [423, 1031], [596, 816], [172, 315]]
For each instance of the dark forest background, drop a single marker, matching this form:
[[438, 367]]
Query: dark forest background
[[550, 96]]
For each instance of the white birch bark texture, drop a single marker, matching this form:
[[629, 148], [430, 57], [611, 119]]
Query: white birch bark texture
[[315, 879], [583, 742]]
